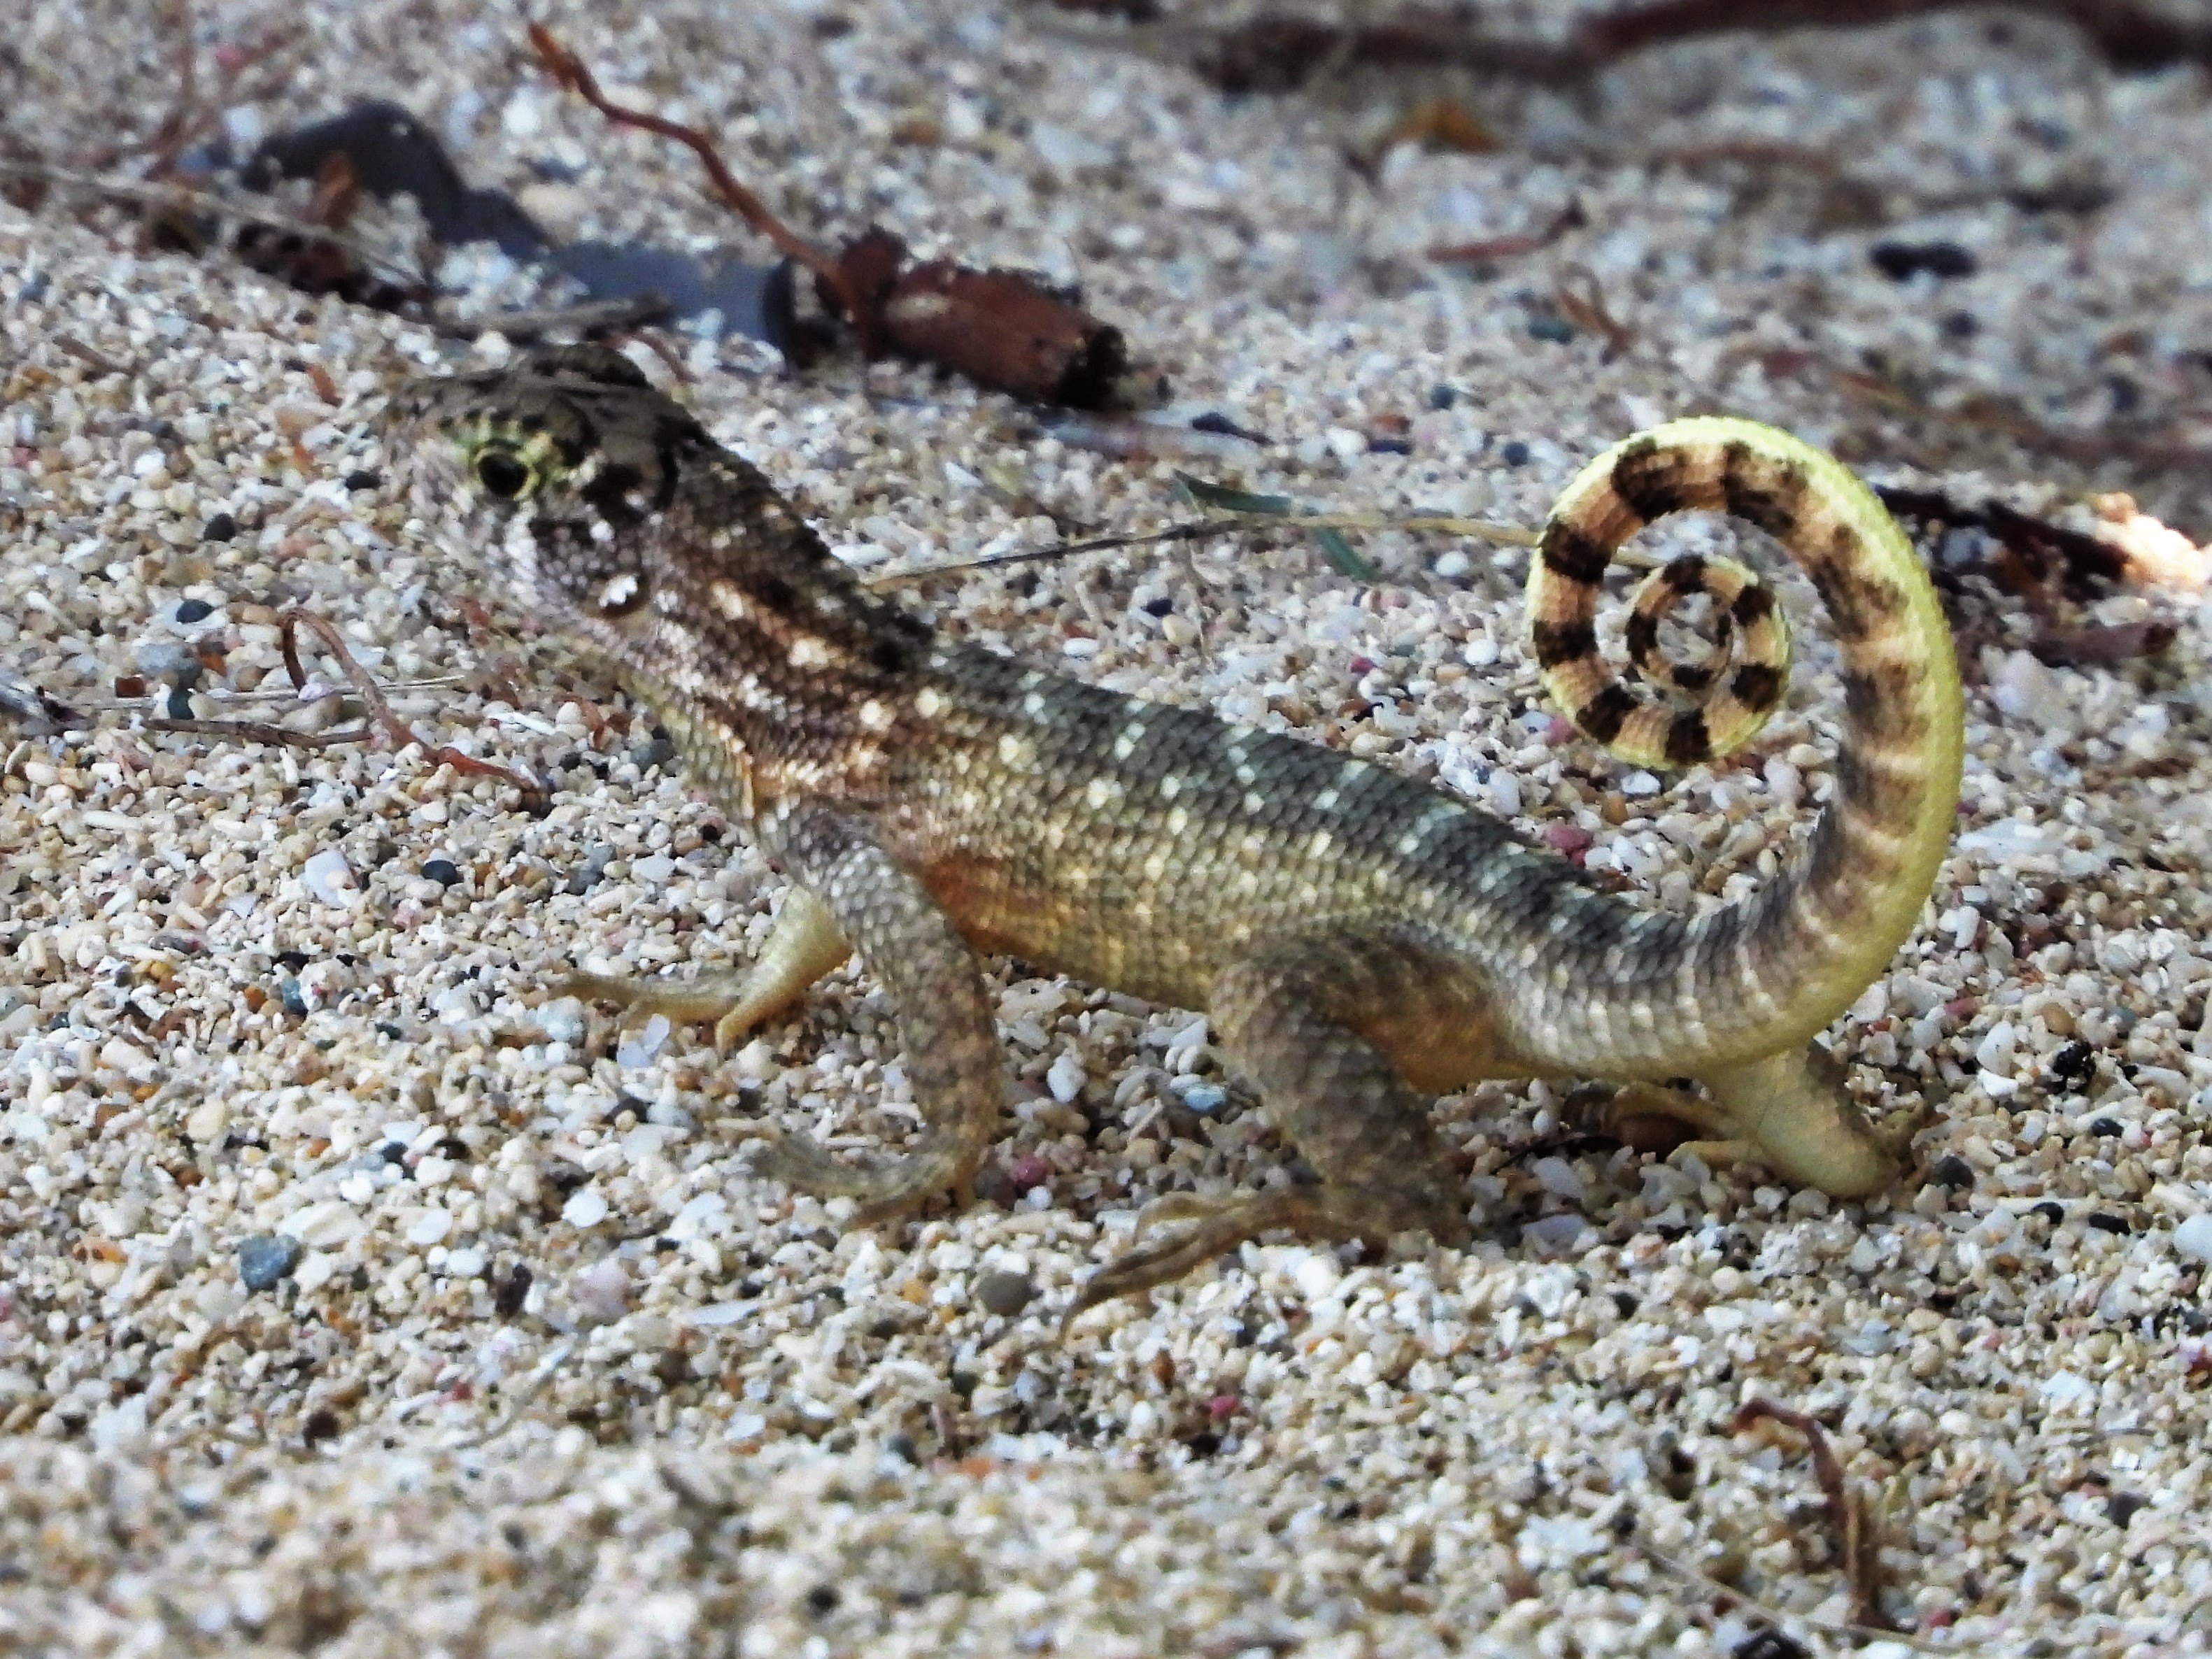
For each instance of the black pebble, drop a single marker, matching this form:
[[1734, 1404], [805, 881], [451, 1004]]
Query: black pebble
[[1005, 1294], [822, 1599], [322, 1423], [1952, 1170], [2110, 1223], [2072, 1062], [511, 1293], [2054, 1214], [287, 993], [192, 610], [2121, 1507], [2105, 1126], [1442, 396], [1770, 1645], [267, 1257], [1389, 446], [1961, 325], [181, 702], [1545, 326], [1900, 260], [1158, 607], [393, 1152], [220, 528], [444, 872], [364, 480], [1513, 452]]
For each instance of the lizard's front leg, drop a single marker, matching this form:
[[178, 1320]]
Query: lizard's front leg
[[946, 1024], [804, 944], [1292, 1016]]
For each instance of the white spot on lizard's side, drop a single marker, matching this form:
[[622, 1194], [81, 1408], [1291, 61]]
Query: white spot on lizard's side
[[807, 651], [1016, 751], [876, 717], [1126, 744], [929, 704], [730, 600]]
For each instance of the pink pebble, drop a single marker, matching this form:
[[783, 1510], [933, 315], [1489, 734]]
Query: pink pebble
[[1029, 1170], [1960, 1007], [1569, 838], [1223, 1405], [1361, 666]]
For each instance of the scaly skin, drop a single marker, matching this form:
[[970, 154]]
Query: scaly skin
[[1360, 940]]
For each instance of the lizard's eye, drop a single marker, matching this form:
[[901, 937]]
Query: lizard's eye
[[503, 473]]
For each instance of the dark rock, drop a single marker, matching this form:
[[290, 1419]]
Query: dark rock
[[1901, 261], [267, 1257], [1005, 1294]]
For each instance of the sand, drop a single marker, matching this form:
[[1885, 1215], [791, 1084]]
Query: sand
[[358, 1297]]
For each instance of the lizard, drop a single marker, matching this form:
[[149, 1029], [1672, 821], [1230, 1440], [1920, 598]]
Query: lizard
[[1360, 941]]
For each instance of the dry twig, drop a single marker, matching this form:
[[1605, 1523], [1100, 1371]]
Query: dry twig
[[570, 71], [1857, 1546], [381, 715]]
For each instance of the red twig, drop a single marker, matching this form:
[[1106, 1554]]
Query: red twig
[[381, 715], [1855, 1543], [569, 70]]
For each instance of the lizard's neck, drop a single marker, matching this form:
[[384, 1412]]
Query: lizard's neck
[[758, 637]]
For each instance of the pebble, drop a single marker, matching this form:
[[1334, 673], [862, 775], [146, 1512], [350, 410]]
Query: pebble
[[2193, 1238], [444, 872], [330, 879], [1065, 1077], [267, 1257], [1003, 1293], [586, 1207], [640, 1048]]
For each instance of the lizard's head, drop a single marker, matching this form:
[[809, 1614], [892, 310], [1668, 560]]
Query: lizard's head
[[569, 459]]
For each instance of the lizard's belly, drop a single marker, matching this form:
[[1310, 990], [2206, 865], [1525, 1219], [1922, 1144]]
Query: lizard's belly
[[1104, 932]]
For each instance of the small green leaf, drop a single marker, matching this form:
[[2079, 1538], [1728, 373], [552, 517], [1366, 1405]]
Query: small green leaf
[[1341, 555], [1232, 500]]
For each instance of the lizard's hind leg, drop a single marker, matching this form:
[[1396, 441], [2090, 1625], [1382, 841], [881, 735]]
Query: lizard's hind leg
[[1314, 1021]]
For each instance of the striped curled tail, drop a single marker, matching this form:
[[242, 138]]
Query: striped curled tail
[[1776, 968]]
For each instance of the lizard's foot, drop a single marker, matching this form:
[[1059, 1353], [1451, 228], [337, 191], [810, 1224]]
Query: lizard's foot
[[1789, 1112], [804, 944], [730, 1000], [1205, 1228], [885, 1189], [1649, 1118]]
